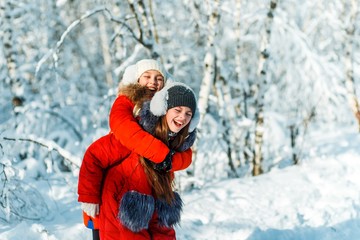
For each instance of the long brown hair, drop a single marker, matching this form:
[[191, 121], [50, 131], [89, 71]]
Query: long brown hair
[[162, 182]]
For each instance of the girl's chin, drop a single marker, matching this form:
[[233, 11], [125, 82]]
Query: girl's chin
[[175, 129]]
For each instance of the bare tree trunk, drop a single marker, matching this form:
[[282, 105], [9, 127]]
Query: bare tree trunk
[[243, 91], [195, 10], [238, 39], [349, 59], [146, 27], [10, 46], [105, 50], [226, 113], [209, 70], [294, 131], [209, 62], [145, 22], [261, 88], [153, 22]]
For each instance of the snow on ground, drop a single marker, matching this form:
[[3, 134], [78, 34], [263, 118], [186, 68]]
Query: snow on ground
[[318, 199]]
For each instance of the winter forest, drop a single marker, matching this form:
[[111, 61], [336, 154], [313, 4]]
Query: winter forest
[[267, 74]]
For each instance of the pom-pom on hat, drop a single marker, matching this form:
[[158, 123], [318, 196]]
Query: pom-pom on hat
[[133, 72], [175, 94]]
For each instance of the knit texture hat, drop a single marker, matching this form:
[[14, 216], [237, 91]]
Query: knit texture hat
[[133, 72], [181, 96], [175, 94]]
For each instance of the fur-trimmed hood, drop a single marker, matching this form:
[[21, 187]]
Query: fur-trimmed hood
[[136, 93]]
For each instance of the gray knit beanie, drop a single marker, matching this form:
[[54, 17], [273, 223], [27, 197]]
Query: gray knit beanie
[[180, 95], [175, 94]]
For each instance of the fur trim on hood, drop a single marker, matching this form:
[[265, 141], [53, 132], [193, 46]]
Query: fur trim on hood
[[136, 93]]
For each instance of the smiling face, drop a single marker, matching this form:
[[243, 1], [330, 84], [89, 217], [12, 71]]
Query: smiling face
[[178, 117], [152, 79]]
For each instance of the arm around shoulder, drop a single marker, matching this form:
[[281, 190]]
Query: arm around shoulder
[[128, 131], [181, 160]]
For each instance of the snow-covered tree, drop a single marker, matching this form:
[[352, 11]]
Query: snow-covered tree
[[61, 61]]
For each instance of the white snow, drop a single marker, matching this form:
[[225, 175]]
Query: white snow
[[317, 199]]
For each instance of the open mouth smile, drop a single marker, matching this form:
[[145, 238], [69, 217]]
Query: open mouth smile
[[178, 124]]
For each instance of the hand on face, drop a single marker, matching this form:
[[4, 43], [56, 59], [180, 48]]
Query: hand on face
[[152, 79], [178, 117]]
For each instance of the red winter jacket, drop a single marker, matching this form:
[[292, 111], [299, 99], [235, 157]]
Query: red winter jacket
[[107, 151], [128, 178], [102, 155], [128, 131], [99, 156]]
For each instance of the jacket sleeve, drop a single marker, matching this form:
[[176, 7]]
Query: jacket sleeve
[[128, 131], [181, 160], [100, 155]]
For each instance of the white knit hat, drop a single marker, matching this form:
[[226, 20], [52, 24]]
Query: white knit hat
[[129, 76], [133, 72], [172, 95], [148, 64]]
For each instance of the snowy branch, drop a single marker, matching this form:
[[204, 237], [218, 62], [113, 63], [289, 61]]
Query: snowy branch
[[50, 145], [52, 52]]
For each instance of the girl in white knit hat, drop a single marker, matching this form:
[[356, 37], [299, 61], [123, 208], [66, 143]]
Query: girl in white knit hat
[[140, 81]]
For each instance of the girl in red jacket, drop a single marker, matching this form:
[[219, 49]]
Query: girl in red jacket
[[108, 151], [138, 201]]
